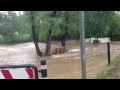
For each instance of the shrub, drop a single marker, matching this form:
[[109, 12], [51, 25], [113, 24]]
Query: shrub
[[96, 41], [1, 39]]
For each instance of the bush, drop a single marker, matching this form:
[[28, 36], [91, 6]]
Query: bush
[[108, 70], [1, 39], [96, 41], [115, 38], [16, 39]]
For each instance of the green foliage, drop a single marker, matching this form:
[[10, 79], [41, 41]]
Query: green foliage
[[109, 69], [1, 39], [98, 23], [106, 72], [13, 27], [16, 28]]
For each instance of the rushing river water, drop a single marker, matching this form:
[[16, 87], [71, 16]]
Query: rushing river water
[[25, 53], [21, 53], [18, 54]]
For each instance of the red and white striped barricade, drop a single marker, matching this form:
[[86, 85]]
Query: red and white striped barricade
[[18, 72]]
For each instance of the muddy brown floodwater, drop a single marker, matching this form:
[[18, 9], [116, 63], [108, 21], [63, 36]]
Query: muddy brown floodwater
[[62, 66]]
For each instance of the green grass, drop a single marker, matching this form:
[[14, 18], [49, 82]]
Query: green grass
[[110, 71]]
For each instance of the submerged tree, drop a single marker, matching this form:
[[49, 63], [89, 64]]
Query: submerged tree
[[48, 42], [35, 36]]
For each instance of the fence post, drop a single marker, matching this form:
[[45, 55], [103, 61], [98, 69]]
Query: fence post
[[43, 69], [108, 49]]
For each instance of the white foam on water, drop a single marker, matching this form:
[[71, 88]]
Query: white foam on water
[[74, 50], [102, 40], [65, 55]]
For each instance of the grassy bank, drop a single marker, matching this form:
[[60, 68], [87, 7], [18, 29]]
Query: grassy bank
[[112, 71]]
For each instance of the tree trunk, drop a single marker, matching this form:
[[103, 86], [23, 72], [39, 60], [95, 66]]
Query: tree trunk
[[63, 40], [77, 38], [48, 43], [110, 35], [97, 38], [34, 35], [90, 39]]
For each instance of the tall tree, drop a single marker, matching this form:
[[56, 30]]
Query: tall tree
[[64, 36], [35, 36], [8, 26], [98, 23], [48, 43]]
